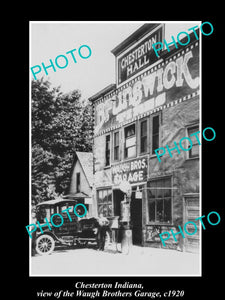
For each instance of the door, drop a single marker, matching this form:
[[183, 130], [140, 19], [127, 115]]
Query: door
[[191, 212], [118, 196], [136, 218]]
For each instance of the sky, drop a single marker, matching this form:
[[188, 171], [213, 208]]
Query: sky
[[50, 39]]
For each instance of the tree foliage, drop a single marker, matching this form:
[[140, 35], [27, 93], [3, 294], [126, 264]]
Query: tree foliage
[[61, 123]]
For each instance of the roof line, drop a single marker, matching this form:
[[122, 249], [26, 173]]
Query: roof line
[[83, 167], [136, 35], [106, 90]]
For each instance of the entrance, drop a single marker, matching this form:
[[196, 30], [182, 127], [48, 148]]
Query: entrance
[[135, 213], [118, 196], [136, 218], [191, 212]]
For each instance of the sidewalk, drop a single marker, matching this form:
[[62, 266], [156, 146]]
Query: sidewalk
[[141, 261]]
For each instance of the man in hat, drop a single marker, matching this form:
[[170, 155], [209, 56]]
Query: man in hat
[[103, 226]]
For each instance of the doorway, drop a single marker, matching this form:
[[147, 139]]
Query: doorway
[[191, 212], [136, 218], [135, 213], [118, 196]]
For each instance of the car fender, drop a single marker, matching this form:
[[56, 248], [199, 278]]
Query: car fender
[[49, 233]]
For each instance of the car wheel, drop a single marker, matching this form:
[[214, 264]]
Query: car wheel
[[45, 244]]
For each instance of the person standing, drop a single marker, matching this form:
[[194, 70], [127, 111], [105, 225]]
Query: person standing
[[103, 226]]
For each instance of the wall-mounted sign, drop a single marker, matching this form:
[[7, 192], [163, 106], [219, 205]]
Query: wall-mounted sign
[[88, 200], [169, 80], [133, 171], [139, 56]]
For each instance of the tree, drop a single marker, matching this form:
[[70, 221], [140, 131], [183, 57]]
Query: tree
[[61, 123]]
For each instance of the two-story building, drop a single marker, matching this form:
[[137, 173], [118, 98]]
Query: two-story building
[[154, 102]]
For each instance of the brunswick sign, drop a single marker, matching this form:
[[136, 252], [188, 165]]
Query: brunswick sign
[[176, 77]]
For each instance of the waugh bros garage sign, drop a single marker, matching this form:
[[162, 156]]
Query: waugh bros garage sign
[[133, 171]]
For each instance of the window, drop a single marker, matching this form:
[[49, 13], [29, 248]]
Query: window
[[107, 150], [155, 133], [194, 151], [159, 201], [143, 136], [78, 182], [130, 141], [104, 200], [116, 146]]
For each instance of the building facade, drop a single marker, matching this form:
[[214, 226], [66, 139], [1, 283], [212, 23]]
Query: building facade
[[154, 102]]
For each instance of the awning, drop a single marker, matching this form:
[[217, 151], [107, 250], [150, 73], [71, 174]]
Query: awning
[[55, 201], [77, 195]]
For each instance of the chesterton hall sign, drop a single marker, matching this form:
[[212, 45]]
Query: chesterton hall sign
[[170, 79], [138, 56]]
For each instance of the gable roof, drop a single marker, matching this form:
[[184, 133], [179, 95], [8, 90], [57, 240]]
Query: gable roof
[[86, 161]]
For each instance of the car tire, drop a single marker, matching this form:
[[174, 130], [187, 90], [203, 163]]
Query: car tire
[[45, 244]]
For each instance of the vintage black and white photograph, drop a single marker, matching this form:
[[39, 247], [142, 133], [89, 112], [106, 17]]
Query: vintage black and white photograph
[[115, 148]]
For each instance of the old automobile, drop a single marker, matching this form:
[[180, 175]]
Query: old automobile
[[75, 231]]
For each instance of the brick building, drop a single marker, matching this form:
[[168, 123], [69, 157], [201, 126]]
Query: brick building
[[154, 102]]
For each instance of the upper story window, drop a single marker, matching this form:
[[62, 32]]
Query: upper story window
[[143, 136], [130, 141], [149, 134], [116, 146], [78, 182], [194, 151], [155, 133], [107, 150]]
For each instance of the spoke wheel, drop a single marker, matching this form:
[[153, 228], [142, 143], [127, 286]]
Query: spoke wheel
[[45, 244]]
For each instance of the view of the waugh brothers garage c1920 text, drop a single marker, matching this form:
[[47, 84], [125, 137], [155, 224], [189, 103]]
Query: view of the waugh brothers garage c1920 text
[[116, 149]]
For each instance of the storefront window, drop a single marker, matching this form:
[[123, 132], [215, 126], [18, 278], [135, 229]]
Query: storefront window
[[104, 200], [159, 201], [151, 209], [130, 141]]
